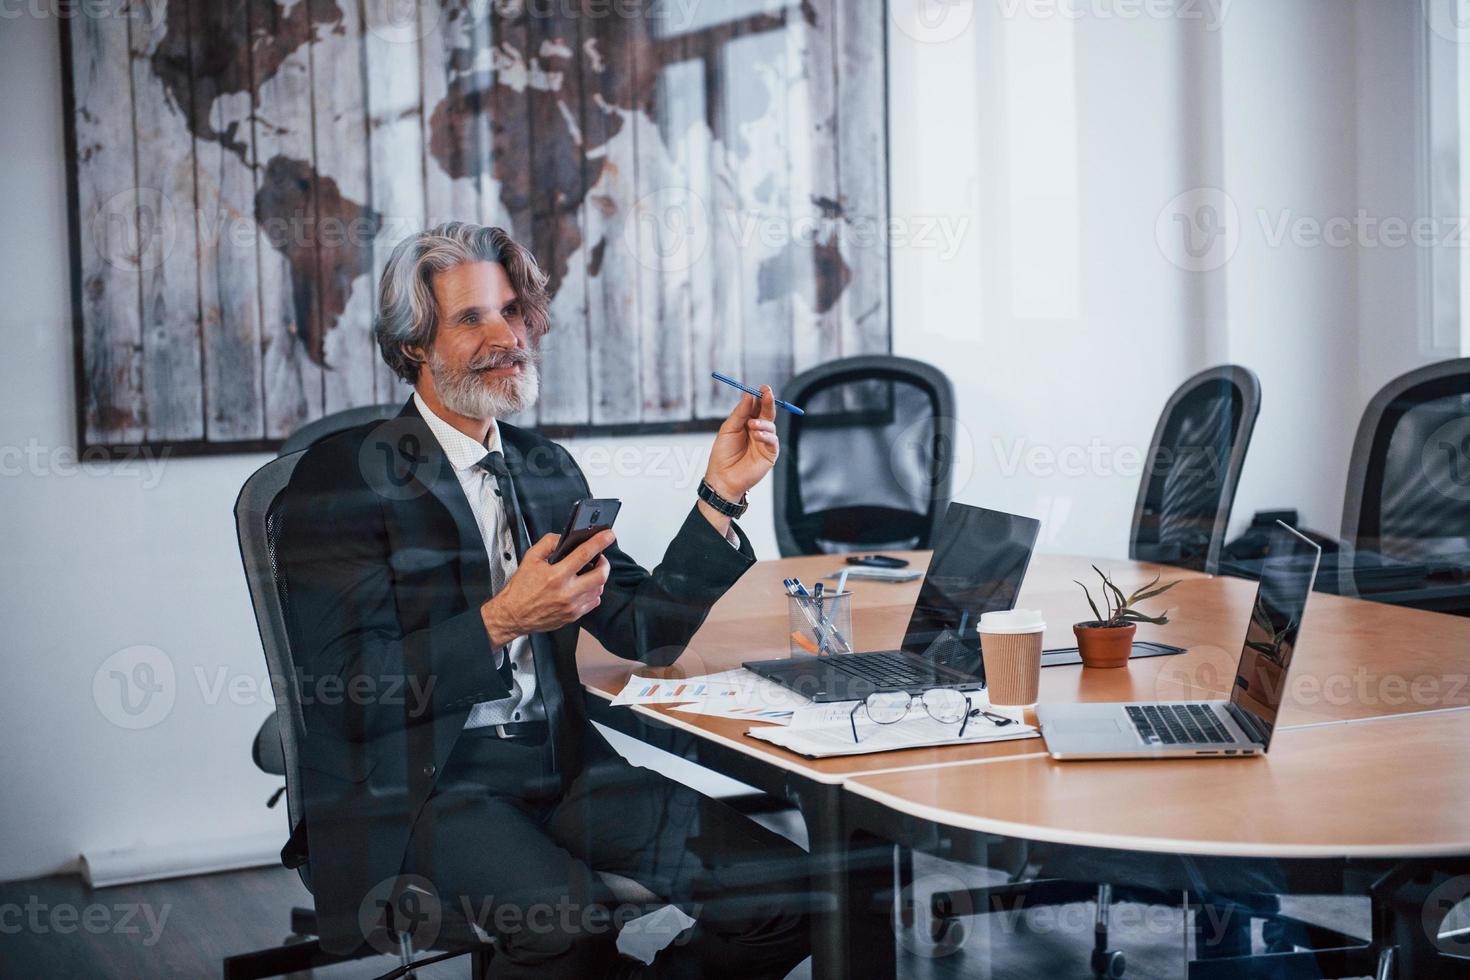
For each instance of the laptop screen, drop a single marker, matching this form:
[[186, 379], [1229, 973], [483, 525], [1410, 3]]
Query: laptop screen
[[980, 557], [1287, 575]]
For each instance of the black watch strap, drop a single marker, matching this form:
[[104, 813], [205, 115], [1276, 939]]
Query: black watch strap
[[708, 495]]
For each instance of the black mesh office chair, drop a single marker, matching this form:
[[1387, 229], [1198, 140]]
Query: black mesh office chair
[[266, 750], [1193, 467], [868, 467], [277, 750], [277, 746], [1408, 489]]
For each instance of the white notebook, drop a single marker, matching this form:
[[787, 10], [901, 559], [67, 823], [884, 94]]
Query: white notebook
[[879, 574], [916, 731]]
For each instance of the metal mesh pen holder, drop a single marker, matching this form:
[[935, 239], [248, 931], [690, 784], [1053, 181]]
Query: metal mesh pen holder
[[820, 625]]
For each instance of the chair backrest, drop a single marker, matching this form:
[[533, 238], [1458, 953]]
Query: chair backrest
[[329, 425], [256, 526], [869, 465], [1408, 489], [1193, 468]]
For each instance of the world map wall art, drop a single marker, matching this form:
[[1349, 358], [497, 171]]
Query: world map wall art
[[704, 181]]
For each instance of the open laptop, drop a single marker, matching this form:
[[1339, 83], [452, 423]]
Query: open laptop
[[980, 557], [1240, 726]]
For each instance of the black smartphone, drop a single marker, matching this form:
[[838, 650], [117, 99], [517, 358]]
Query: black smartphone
[[878, 561], [590, 516]]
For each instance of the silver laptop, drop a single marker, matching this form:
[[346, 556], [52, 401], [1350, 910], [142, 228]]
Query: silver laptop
[[1240, 726]]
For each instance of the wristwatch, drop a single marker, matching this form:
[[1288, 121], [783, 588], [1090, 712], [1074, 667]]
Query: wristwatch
[[708, 495]]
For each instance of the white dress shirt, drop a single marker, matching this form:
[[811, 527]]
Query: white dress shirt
[[479, 488]]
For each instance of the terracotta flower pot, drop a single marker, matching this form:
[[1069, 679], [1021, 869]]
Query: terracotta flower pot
[[1104, 646]]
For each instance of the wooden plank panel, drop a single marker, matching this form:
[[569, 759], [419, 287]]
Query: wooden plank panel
[[756, 140], [285, 210], [727, 327], [395, 151], [294, 120], [557, 190], [690, 119], [818, 274], [449, 148], [672, 238], [344, 236], [173, 388], [612, 276], [481, 48], [112, 410], [505, 131], [862, 147], [219, 59], [505, 113]]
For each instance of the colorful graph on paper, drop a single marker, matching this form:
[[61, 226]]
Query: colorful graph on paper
[[653, 690]]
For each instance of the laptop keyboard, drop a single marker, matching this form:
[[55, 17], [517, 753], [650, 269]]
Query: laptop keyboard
[[885, 671], [1172, 724]]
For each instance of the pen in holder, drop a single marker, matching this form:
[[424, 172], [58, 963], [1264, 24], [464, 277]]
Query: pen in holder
[[820, 625]]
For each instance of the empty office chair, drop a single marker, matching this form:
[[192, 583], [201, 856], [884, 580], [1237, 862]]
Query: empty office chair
[[256, 527], [868, 467], [1406, 512], [1192, 469], [329, 425]]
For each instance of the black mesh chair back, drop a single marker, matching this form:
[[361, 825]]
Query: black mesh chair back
[[1408, 492], [256, 527], [329, 425], [868, 467], [1193, 467], [267, 750]]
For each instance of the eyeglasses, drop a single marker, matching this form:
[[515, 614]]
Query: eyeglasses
[[945, 705]]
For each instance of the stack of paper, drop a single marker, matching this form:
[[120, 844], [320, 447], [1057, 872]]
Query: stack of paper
[[654, 690], [828, 732], [729, 694]]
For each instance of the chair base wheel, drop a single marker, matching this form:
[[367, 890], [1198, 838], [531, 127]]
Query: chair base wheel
[[947, 935], [1109, 963], [932, 937]]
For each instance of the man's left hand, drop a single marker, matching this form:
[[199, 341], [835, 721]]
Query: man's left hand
[[746, 447]]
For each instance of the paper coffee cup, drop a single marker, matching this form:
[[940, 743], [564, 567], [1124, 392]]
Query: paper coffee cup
[[1010, 646]]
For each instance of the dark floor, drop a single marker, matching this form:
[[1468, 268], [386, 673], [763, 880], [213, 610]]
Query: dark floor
[[184, 927]]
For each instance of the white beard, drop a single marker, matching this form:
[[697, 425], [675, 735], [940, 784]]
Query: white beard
[[474, 396]]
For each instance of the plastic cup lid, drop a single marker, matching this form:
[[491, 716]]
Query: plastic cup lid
[[1012, 621]]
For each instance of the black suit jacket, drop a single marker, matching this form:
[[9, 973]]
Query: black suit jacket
[[383, 572]]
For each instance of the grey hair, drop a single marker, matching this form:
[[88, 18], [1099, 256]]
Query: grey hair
[[408, 314]]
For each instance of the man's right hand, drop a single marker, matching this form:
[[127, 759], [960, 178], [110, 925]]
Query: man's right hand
[[541, 597]]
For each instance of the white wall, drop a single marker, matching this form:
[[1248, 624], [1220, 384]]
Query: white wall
[[1298, 112], [1045, 385], [1047, 152], [1291, 156], [1393, 315]]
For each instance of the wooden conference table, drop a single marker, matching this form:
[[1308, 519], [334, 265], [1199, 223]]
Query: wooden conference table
[[1368, 759]]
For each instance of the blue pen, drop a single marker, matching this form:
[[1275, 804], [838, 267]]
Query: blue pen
[[754, 391]]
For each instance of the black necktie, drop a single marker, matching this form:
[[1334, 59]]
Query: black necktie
[[494, 464]]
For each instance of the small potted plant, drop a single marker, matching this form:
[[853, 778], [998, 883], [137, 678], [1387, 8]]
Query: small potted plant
[[1107, 640]]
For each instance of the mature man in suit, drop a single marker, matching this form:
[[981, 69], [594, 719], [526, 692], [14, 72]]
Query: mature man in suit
[[448, 755]]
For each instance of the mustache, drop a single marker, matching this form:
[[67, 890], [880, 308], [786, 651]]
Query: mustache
[[495, 360]]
